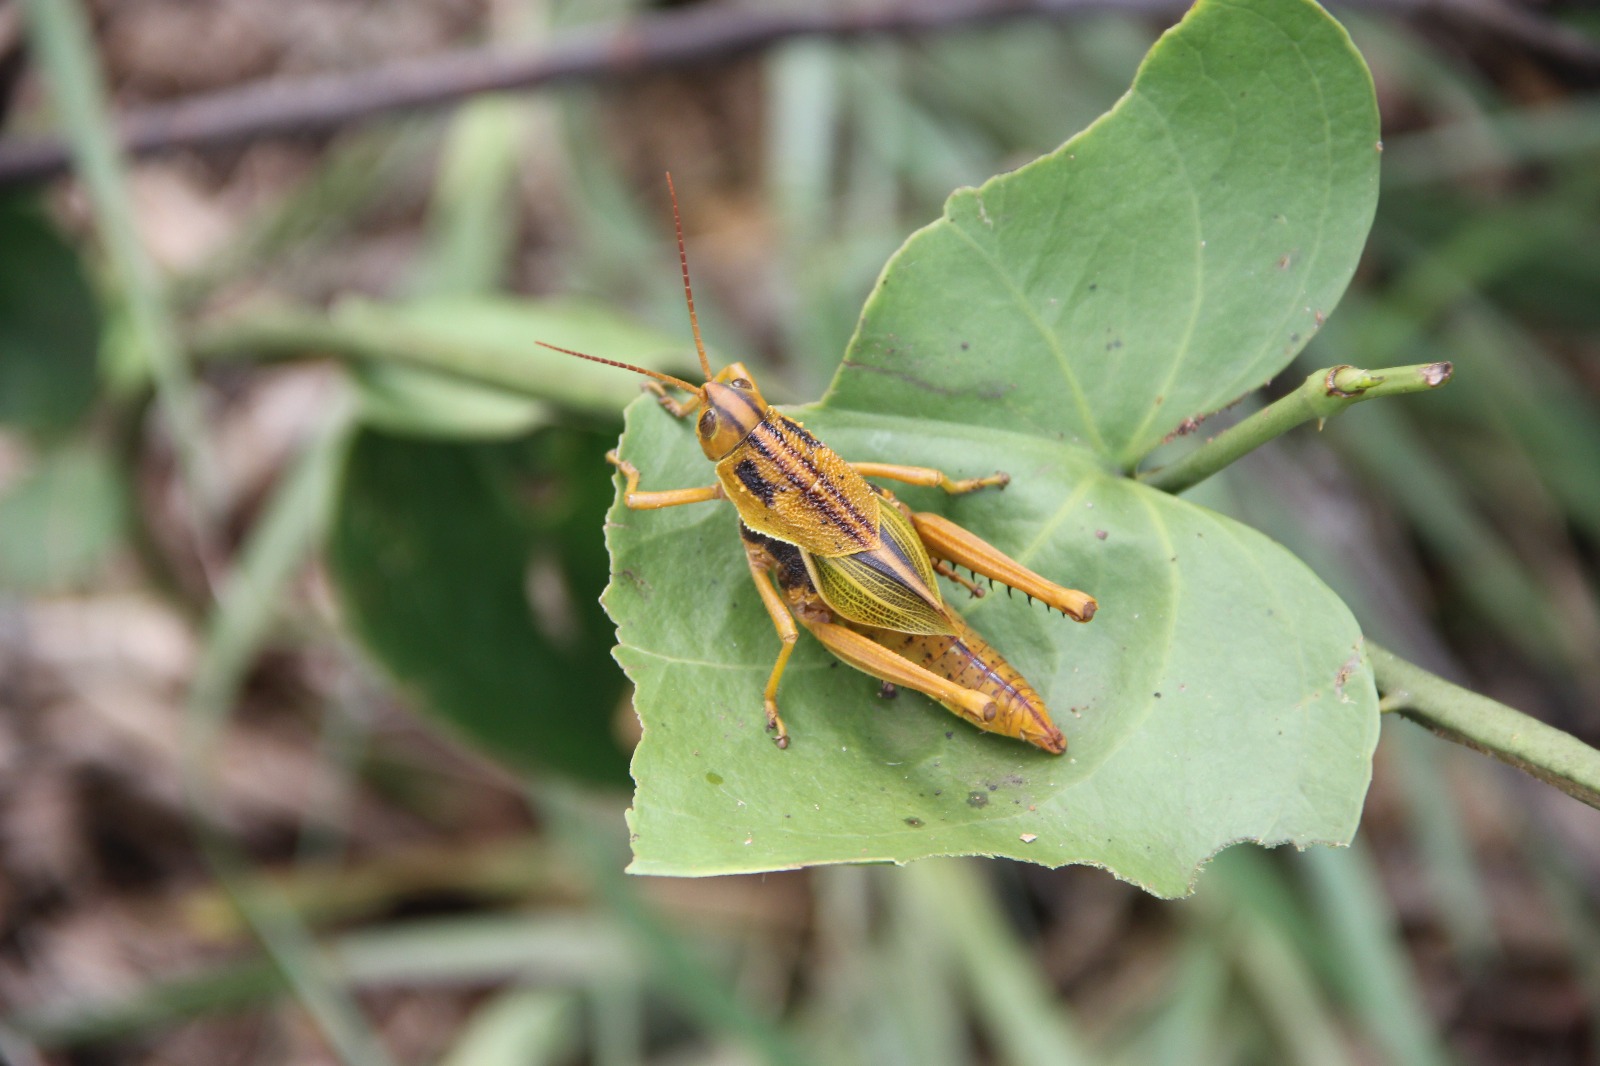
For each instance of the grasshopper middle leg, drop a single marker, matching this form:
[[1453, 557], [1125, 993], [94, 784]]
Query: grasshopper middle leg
[[761, 563], [929, 477]]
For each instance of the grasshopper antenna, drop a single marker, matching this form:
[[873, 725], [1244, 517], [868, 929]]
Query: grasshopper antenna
[[658, 375], [688, 293]]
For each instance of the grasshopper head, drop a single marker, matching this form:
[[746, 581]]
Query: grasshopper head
[[730, 407]]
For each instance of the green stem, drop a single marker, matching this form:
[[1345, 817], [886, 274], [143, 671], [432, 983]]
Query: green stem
[[476, 951], [247, 607], [59, 34], [1555, 757], [1323, 394]]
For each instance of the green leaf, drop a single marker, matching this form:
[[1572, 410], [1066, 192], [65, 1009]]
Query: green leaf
[[60, 522], [1171, 257], [49, 323], [472, 572], [1057, 323], [410, 402]]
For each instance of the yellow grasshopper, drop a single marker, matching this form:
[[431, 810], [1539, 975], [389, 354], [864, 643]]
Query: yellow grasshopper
[[852, 562]]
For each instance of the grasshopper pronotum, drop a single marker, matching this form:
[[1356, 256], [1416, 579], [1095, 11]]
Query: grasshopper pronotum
[[852, 562]]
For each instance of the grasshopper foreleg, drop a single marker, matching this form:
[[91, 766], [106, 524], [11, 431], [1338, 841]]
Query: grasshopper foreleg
[[651, 501], [676, 408]]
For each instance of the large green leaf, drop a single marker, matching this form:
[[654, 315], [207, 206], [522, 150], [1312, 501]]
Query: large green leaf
[[1174, 255], [1056, 323]]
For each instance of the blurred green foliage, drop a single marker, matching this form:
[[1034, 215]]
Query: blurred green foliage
[[49, 322]]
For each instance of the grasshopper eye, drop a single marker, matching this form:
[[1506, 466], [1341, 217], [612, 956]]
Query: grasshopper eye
[[739, 383], [708, 423]]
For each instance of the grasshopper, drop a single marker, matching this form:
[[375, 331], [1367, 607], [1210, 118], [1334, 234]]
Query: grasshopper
[[855, 565]]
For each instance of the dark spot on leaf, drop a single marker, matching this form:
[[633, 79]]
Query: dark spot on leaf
[[713, 779], [977, 799], [914, 822], [1100, 533]]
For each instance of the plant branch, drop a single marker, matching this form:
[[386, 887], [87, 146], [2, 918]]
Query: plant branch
[[1323, 394], [641, 46], [1554, 757], [360, 332]]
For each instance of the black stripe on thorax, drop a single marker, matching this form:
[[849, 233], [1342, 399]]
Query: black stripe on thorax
[[785, 429], [798, 431], [744, 411], [834, 507], [749, 475]]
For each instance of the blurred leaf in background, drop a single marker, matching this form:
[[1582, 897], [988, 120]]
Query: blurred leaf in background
[[472, 571], [49, 322], [59, 522]]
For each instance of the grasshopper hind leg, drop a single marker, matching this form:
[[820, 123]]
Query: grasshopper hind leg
[[947, 541]]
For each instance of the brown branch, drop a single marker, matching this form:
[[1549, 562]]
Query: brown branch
[[321, 104], [646, 45]]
